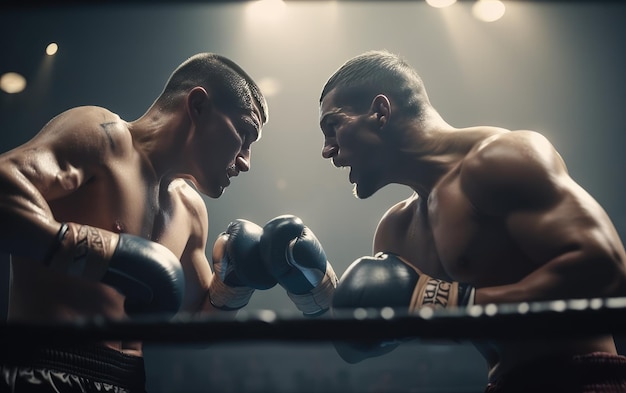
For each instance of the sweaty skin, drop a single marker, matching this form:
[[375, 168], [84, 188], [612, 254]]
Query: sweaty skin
[[446, 237], [85, 166], [491, 207]]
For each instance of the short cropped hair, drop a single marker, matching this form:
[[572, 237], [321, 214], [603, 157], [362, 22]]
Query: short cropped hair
[[375, 72], [232, 87]]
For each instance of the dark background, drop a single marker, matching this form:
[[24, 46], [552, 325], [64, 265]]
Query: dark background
[[554, 67]]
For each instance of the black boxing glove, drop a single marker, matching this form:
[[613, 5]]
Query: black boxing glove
[[148, 274], [238, 267], [386, 280], [296, 258]]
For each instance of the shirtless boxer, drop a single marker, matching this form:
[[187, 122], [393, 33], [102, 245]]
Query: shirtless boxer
[[101, 219], [494, 218]]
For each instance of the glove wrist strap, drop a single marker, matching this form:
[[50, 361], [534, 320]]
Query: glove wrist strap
[[225, 297], [82, 250], [435, 293], [319, 298]]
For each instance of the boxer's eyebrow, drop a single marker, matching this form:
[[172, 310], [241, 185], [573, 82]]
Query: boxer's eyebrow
[[326, 116], [252, 126], [329, 114], [251, 122]]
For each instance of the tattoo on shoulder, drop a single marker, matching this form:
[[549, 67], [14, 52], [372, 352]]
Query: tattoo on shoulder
[[107, 130]]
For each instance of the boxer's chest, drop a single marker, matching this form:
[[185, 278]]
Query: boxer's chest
[[137, 205], [470, 247]]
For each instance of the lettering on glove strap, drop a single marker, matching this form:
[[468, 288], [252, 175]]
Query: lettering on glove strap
[[434, 293], [83, 251], [88, 240]]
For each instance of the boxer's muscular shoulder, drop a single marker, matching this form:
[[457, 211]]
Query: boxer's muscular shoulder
[[402, 212], [97, 130], [396, 221], [69, 149], [184, 194], [520, 167], [528, 150]]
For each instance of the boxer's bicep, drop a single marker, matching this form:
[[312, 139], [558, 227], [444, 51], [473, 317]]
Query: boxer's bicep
[[48, 167], [574, 247], [185, 232], [564, 235]]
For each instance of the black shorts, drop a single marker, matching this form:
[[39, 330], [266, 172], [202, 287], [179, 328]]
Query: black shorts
[[593, 373], [88, 368]]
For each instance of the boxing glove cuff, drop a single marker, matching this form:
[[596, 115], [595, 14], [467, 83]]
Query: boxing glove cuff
[[228, 298], [318, 300], [82, 250], [56, 244], [435, 293]]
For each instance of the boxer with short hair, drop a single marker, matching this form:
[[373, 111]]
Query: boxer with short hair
[[494, 218], [104, 217]]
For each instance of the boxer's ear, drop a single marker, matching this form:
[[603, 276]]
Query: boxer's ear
[[381, 109]]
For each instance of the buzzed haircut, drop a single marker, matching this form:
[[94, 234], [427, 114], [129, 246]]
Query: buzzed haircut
[[375, 72], [232, 88]]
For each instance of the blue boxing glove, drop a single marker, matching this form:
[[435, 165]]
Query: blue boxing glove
[[148, 274], [296, 258], [237, 266], [386, 280]]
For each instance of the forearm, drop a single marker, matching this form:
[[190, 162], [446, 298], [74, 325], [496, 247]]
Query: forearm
[[573, 275], [28, 226]]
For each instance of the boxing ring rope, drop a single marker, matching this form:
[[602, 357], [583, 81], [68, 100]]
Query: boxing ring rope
[[548, 319]]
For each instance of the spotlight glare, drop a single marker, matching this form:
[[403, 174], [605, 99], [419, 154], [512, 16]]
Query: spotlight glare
[[440, 3], [52, 48], [269, 86], [488, 10], [12, 82], [266, 10]]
